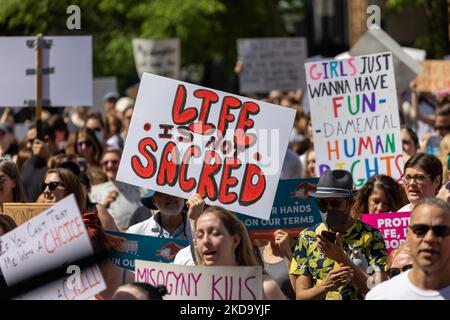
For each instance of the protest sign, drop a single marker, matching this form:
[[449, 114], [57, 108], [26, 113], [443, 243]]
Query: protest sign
[[393, 226], [292, 211], [161, 57], [271, 64], [102, 86], [76, 287], [187, 139], [378, 41], [354, 115], [145, 248], [54, 237], [127, 201], [202, 283], [22, 212], [435, 76], [68, 77]]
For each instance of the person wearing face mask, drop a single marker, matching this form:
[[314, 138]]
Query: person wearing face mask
[[168, 217], [336, 259]]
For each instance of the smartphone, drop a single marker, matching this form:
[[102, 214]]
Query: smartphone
[[330, 236]]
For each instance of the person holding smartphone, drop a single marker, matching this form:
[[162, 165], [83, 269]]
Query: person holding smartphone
[[335, 259]]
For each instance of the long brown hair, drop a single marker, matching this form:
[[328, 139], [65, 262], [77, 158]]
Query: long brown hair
[[244, 251], [392, 190], [10, 169]]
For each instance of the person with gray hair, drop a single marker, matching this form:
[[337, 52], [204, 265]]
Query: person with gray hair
[[429, 242]]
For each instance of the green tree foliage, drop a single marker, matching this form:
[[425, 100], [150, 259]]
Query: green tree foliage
[[208, 29]]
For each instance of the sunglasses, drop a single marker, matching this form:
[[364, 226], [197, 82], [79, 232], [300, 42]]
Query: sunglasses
[[420, 230], [392, 272], [442, 128], [51, 185], [87, 143], [113, 162], [325, 203]]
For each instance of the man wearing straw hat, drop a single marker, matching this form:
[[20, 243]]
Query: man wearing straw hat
[[338, 258]]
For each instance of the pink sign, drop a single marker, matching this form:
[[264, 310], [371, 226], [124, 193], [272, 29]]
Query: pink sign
[[393, 226]]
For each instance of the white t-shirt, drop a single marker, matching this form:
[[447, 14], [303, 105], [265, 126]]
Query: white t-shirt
[[184, 257], [401, 288]]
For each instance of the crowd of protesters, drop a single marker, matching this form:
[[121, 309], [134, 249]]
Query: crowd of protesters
[[338, 258]]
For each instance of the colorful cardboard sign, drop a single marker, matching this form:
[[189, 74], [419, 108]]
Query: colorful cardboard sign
[[292, 210], [69, 61], [393, 226], [161, 57], [187, 139], [55, 237], [145, 248], [202, 283], [271, 64], [354, 115]]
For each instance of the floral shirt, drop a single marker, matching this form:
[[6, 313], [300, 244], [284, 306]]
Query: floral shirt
[[363, 244]]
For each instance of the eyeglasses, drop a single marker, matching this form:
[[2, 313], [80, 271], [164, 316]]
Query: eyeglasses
[[418, 178], [420, 230], [113, 162], [87, 143], [51, 185], [325, 203], [406, 141], [392, 272]]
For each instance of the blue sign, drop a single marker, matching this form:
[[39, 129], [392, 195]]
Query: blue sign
[[145, 248], [293, 209]]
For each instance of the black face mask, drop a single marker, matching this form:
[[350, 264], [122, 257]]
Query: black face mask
[[336, 219]]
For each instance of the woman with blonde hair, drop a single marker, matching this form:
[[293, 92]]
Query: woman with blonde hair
[[221, 239]]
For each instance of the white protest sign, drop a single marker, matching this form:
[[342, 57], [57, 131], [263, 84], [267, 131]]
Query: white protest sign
[[161, 57], [354, 115], [377, 41], [76, 287], [271, 64], [49, 240], [202, 283], [187, 139], [69, 83], [127, 200], [102, 86]]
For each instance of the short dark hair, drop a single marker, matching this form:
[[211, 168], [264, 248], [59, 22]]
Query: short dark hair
[[152, 293], [428, 163]]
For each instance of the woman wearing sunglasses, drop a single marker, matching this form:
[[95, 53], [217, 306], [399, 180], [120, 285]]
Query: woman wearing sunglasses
[[88, 146], [11, 188], [422, 178]]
